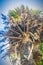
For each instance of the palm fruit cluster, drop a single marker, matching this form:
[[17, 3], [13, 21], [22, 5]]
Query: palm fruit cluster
[[25, 34]]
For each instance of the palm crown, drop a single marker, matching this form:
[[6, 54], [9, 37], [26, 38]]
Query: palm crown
[[24, 30]]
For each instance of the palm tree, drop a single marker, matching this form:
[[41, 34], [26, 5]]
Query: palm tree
[[22, 38]]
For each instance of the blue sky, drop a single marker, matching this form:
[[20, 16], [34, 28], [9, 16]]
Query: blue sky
[[6, 5]]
